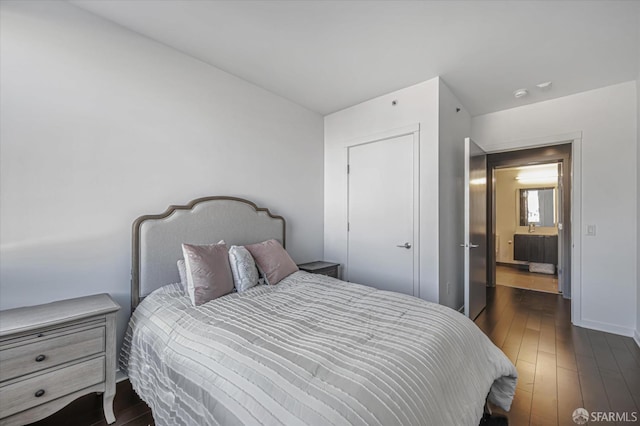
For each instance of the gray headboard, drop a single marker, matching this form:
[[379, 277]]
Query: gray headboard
[[157, 239]]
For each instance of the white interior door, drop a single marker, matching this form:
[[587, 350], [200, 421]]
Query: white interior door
[[382, 212], [475, 229]]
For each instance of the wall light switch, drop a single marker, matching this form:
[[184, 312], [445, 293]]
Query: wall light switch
[[591, 230]]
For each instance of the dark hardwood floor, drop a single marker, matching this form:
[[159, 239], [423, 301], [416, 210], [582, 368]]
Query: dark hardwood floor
[[561, 367], [514, 277], [129, 409]]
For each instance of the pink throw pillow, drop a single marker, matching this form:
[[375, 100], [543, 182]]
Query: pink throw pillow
[[208, 272], [273, 260]]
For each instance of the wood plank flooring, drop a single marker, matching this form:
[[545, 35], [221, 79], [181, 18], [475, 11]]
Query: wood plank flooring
[[514, 277], [129, 409], [561, 367]]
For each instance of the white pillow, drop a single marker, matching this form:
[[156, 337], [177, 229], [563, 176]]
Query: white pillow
[[243, 268]]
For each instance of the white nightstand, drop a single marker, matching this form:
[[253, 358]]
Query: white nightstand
[[54, 353]]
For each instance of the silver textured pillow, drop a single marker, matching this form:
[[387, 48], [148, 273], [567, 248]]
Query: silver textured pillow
[[243, 268], [208, 272], [182, 271]]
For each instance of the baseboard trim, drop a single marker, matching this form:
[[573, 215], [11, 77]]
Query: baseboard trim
[[636, 337], [607, 328]]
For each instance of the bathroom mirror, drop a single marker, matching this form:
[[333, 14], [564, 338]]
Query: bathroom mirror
[[537, 206]]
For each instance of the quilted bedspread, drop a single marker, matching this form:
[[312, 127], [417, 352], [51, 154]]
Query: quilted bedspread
[[312, 350]]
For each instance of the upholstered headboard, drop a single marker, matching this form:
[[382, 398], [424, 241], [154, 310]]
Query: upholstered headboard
[[157, 239]]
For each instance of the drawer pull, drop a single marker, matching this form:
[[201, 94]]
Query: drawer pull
[[39, 393], [40, 358], [40, 335]]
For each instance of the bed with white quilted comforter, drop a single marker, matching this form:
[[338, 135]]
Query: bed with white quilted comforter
[[312, 350]]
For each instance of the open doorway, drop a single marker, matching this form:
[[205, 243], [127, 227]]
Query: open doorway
[[529, 213], [527, 210]]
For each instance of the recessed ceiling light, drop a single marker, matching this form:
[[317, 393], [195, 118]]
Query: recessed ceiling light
[[520, 93], [544, 86]]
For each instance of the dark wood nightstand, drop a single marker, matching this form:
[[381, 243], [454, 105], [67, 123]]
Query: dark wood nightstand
[[322, 268]]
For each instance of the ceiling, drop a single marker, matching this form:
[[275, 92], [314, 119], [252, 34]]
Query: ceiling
[[328, 55]]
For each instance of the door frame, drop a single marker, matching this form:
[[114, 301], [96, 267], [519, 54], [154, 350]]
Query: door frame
[[412, 130], [573, 193]]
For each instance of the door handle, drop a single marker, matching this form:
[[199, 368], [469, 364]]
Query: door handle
[[405, 245], [470, 245]]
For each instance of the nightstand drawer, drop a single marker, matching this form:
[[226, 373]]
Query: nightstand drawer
[[40, 389], [330, 272], [323, 268], [39, 355], [50, 354]]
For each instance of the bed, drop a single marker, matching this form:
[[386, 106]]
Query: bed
[[310, 350]]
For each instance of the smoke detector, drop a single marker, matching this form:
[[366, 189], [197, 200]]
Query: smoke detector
[[520, 93]]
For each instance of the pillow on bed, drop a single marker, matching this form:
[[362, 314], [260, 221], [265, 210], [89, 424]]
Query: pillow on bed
[[243, 268], [208, 272], [273, 260], [182, 271]]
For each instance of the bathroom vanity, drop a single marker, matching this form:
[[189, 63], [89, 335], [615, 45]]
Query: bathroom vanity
[[536, 248]]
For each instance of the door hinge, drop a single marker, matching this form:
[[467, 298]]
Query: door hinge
[[348, 226], [348, 168]]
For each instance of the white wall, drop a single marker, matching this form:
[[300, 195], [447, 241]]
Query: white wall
[[101, 125], [454, 126], [432, 105], [415, 105], [607, 119]]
